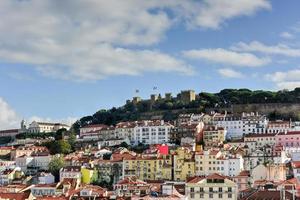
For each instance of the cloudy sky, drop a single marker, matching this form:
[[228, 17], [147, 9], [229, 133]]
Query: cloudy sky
[[63, 59]]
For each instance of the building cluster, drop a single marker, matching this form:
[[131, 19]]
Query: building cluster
[[197, 156], [34, 127]]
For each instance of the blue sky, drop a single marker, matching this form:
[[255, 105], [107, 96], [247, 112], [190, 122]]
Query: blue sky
[[61, 60]]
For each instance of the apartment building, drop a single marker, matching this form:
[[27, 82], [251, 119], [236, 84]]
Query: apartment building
[[148, 167], [238, 125], [184, 164], [214, 186], [214, 136], [151, 132], [215, 161]]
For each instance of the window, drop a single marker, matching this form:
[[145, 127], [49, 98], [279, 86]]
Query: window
[[229, 189], [192, 190], [229, 196], [201, 196], [192, 195], [201, 189], [220, 189], [211, 189], [211, 196], [220, 196]]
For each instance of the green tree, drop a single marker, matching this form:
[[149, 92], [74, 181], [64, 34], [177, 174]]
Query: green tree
[[60, 133], [59, 147], [55, 165], [72, 140]]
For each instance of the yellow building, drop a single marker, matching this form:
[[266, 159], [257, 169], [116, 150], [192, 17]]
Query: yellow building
[[214, 186], [86, 175], [213, 136], [184, 164], [148, 167]]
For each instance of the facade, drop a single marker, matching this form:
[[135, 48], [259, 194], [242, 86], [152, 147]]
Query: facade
[[242, 180], [7, 176], [70, 172], [27, 151], [261, 140], [271, 172], [288, 139], [184, 164], [239, 125], [296, 168], [91, 130], [44, 190], [213, 136], [278, 126], [151, 132], [131, 186], [186, 130], [124, 130], [33, 163], [148, 167], [46, 178], [45, 127], [214, 161], [214, 186]]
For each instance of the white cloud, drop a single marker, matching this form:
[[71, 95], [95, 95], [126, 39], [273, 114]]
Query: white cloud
[[230, 73], [94, 39], [285, 80], [8, 117], [288, 85], [255, 46], [212, 13], [292, 75], [224, 56], [286, 35]]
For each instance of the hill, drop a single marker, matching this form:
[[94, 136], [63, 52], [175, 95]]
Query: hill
[[275, 104]]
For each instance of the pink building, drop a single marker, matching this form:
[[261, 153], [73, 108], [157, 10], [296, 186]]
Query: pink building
[[288, 139]]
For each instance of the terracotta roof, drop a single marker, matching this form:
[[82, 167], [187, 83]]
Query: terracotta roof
[[215, 176], [131, 181], [95, 126], [244, 173], [296, 164], [195, 179], [268, 195], [14, 196]]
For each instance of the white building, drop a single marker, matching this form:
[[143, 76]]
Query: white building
[[46, 178], [214, 186], [125, 130], [92, 130], [239, 125], [72, 172], [261, 140], [211, 161], [151, 132], [278, 126], [33, 163], [45, 127]]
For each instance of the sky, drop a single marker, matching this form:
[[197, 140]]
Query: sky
[[63, 59]]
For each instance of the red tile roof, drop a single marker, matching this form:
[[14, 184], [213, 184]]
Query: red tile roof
[[14, 196]]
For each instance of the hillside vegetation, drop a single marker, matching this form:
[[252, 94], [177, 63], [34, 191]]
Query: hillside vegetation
[[166, 108]]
